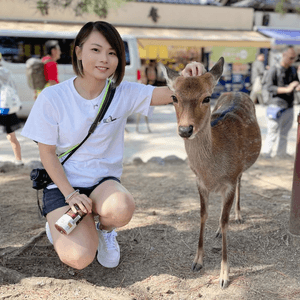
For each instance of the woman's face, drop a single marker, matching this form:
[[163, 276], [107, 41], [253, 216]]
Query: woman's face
[[99, 60]]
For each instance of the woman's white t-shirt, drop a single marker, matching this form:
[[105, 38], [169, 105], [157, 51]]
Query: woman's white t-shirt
[[61, 117]]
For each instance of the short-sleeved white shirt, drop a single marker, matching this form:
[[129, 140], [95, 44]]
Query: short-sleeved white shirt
[[61, 117]]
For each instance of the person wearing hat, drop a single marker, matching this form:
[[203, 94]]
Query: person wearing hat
[[10, 122]]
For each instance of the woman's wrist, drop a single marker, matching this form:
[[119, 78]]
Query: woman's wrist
[[71, 195]]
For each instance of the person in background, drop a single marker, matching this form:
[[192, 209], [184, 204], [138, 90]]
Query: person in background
[[50, 61], [297, 93], [144, 78], [151, 72], [10, 122], [90, 179], [257, 72], [281, 82]]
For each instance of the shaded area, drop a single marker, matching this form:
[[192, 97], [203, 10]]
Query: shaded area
[[159, 244]]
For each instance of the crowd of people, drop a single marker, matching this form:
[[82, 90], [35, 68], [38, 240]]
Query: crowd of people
[[91, 180]]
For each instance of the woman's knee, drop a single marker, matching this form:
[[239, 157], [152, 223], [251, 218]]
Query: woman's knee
[[77, 259], [120, 207]]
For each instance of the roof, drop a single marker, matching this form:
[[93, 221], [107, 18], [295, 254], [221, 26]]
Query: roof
[[266, 4], [193, 2], [281, 36]]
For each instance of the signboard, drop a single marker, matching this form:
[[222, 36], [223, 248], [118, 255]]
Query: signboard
[[233, 81], [242, 55]]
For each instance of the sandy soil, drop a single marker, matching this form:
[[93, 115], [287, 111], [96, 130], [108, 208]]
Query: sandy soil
[[159, 244]]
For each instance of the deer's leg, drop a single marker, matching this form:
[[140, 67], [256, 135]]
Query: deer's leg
[[138, 117], [147, 123], [227, 204], [238, 216], [198, 260]]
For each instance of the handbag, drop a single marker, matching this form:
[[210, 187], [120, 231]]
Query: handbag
[[274, 112], [9, 100], [39, 177]]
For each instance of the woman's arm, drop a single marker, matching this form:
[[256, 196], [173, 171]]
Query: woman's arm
[[162, 95], [55, 170]]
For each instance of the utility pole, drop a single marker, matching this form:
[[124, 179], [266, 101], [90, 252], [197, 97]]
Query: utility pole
[[295, 201]]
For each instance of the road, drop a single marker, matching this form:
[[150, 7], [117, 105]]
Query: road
[[162, 142]]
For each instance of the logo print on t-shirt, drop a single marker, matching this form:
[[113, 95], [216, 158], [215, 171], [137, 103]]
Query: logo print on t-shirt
[[109, 119]]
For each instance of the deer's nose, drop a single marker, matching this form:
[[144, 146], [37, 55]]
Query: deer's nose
[[185, 131]]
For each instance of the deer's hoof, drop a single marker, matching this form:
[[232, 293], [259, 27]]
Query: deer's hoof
[[218, 234], [224, 283], [196, 267], [239, 221]]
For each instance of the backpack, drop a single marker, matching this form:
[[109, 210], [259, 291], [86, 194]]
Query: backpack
[[9, 100], [35, 73]]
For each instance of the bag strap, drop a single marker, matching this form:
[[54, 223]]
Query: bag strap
[[102, 110]]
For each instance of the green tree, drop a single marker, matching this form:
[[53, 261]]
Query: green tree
[[283, 6], [99, 7]]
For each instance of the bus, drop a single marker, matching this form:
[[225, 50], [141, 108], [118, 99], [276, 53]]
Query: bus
[[17, 46]]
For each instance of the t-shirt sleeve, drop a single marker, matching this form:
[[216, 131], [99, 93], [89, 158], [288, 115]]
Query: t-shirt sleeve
[[138, 96], [42, 122]]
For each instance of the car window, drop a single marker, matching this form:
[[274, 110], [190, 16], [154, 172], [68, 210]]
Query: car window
[[127, 56], [19, 49]]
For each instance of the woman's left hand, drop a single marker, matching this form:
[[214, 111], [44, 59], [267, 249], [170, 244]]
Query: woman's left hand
[[193, 69]]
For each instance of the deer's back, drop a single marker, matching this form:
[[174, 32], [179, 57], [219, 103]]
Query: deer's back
[[235, 129]]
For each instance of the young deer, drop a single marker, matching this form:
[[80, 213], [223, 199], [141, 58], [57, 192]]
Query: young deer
[[220, 145]]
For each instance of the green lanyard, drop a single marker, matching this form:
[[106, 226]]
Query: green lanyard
[[97, 114]]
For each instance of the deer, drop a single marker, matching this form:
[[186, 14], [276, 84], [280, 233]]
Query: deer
[[220, 144]]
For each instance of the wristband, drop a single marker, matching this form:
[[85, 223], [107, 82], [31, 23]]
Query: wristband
[[71, 195]]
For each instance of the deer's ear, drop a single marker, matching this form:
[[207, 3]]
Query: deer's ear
[[170, 76], [217, 69]]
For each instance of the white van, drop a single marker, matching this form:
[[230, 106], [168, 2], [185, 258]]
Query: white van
[[17, 46]]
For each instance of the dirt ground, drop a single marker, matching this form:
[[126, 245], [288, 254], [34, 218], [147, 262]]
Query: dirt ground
[[159, 244]]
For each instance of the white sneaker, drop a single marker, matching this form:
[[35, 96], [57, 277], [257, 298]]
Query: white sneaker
[[108, 249], [48, 233], [19, 163]]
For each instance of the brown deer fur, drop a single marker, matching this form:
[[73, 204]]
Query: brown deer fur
[[220, 145]]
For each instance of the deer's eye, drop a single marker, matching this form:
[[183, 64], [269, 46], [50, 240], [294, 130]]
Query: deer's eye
[[206, 100], [174, 98]]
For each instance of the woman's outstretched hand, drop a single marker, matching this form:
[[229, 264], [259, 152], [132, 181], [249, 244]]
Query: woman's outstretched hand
[[193, 69]]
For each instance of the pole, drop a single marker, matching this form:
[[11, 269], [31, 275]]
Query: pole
[[295, 201]]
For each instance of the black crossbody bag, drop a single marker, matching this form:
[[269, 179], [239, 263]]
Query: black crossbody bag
[[40, 178]]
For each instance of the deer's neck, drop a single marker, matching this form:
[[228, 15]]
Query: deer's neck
[[200, 149]]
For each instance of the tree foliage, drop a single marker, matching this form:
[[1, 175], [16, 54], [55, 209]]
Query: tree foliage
[[283, 6], [80, 7]]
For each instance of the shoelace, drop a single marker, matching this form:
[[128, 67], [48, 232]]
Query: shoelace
[[109, 238]]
